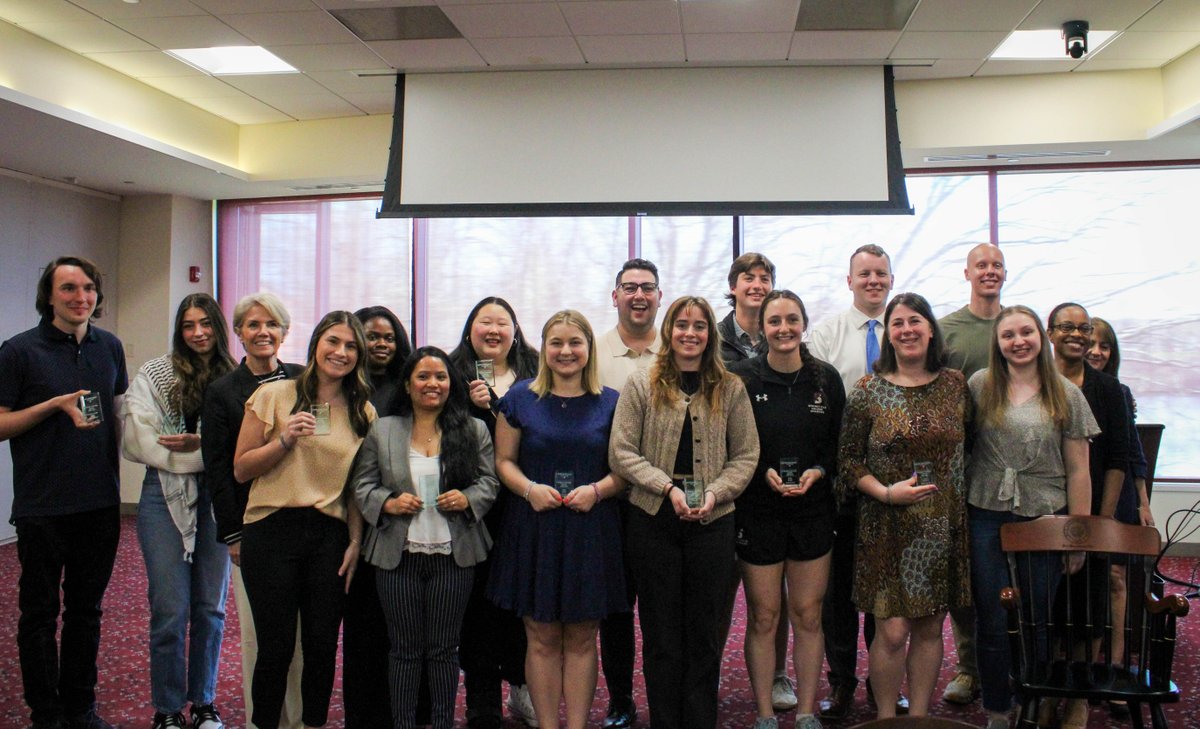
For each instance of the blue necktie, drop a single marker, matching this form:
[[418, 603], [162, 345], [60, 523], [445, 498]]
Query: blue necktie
[[872, 345]]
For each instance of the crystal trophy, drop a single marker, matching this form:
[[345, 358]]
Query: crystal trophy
[[789, 471], [485, 369], [428, 490], [320, 411], [564, 482], [89, 407], [924, 471], [693, 491]]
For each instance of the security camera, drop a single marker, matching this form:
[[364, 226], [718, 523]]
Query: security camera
[[1075, 32]]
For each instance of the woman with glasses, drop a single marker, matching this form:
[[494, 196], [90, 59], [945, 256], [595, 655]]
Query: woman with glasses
[[492, 345], [684, 439], [902, 448]]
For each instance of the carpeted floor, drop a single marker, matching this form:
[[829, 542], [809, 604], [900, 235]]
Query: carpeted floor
[[124, 688]]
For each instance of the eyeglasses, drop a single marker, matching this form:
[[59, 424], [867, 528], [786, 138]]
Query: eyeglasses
[[629, 289], [1069, 328]]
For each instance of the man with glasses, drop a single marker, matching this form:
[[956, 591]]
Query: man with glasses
[[968, 334], [630, 346], [751, 278]]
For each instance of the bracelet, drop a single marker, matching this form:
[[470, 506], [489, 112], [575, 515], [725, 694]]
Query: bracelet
[[596, 491], [283, 443], [667, 489], [527, 490], [354, 541], [889, 493]]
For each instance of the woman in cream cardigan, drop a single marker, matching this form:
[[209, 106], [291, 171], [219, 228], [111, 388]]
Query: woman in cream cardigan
[[684, 438]]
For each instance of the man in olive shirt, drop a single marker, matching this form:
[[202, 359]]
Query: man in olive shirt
[[968, 334]]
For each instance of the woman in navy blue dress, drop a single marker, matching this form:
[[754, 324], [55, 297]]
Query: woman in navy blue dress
[[557, 562]]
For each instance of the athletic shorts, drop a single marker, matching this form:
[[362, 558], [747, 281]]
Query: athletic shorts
[[763, 539]]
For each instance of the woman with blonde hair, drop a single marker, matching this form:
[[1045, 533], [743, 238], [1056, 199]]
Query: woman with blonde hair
[[1030, 458], [684, 438], [557, 562]]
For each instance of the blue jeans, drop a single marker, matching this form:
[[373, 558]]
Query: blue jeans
[[182, 593], [989, 575]]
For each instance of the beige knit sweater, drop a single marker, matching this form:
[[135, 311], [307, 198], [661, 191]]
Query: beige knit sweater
[[645, 440]]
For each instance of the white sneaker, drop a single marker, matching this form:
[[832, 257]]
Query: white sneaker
[[520, 706], [963, 689], [206, 717], [783, 693]]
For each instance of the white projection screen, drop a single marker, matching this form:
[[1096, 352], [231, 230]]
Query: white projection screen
[[674, 141]]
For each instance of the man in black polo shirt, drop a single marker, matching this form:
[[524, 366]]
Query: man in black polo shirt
[[66, 496]]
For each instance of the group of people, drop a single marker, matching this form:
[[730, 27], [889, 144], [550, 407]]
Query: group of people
[[496, 508]]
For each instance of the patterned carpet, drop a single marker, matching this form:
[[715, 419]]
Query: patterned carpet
[[124, 688]]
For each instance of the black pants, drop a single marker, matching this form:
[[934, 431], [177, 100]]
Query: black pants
[[616, 636], [683, 571], [492, 649], [290, 561], [839, 616], [365, 655], [75, 552]]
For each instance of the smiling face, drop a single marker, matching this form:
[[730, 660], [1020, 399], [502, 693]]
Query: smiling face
[[783, 326], [260, 333], [72, 298], [1019, 340], [985, 270], [381, 343], [1071, 346], [492, 333], [336, 353], [429, 384], [566, 349], [750, 288], [870, 281], [636, 311], [689, 338], [909, 333], [197, 330]]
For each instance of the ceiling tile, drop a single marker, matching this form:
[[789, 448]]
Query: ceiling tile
[[193, 87], [88, 36], [939, 69], [1019, 68], [417, 55], [19, 12], [1171, 15], [1101, 14], [1100, 64], [313, 106], [144, 64], [343, 4], [842, 44], [1163, 45], [947, 44], [625, 49], [747, 16], [529, 51], [468, 2], [221, 7], [958, 15], [622, 17], [514, 20], [241, 110], [714, 47], [142, 9], [373, 103], [278, 29], [331, 57], [279, 84], [345, 83], [203, 31]]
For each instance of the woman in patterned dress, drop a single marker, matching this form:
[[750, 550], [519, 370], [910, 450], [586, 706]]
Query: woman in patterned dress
[[902, 447]]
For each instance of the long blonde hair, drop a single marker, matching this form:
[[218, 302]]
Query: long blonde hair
[[544, 381], [993, 402], [665, 378]]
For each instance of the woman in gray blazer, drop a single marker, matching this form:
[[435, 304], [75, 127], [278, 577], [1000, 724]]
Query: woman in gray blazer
[[424, 478]]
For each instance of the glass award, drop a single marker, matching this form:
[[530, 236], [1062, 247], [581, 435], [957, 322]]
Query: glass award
[[564, 482], [320, 411], [693, 491], [89, 407], [428, 490], [485, 369], [173, 426], [789, 471], [924, 471]]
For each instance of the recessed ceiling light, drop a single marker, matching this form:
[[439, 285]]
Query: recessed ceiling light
[[1027, 45], [232, 60]]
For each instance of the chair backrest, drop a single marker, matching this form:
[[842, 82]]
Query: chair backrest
[[1061, 627]]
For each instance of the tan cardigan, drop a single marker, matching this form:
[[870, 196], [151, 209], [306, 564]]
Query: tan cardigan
[[645, 440]]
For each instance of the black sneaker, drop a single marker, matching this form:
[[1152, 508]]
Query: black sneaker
[[90, 720], [168, 721], [206, 717]]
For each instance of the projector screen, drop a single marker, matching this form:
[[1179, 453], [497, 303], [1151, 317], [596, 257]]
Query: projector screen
[[678, 141]]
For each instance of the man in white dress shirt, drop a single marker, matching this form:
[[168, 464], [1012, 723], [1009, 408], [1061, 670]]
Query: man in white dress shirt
[[630, 346], [850, 342]]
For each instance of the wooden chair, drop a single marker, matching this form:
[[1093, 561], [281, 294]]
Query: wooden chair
[[1060, 639], [914, 722]]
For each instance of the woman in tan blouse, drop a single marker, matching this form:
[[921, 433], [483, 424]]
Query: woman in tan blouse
[[302, 531], [684, 438]]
